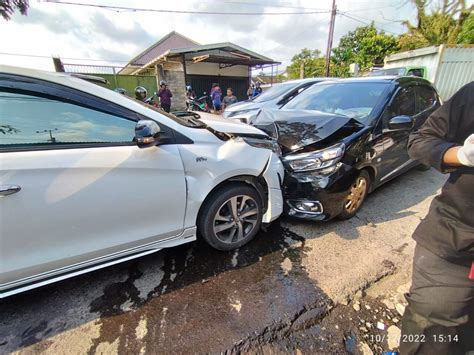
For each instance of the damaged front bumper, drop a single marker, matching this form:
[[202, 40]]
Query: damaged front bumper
[[274, 174], [315, 196]]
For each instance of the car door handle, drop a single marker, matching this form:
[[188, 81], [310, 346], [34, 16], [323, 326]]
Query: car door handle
[[9, 189]]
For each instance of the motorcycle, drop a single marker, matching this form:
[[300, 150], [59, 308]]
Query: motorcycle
[[198, 104]]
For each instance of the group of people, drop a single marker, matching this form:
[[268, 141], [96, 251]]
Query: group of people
[[218, 102], [254, 90], [164, 95]]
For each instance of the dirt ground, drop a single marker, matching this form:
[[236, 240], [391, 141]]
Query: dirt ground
[[299, 287]]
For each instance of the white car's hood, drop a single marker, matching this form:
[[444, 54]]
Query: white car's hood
[[226, 125]]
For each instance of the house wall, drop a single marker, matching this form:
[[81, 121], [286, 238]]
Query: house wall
[[214, 70]]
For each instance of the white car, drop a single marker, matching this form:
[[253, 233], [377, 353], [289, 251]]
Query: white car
[[90, 178]]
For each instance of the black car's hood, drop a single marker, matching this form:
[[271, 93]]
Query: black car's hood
[[296, 129]]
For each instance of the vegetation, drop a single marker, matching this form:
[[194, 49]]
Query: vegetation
[[365, 46], [309, 62], [8, 7], [448, 22], [445, 25]]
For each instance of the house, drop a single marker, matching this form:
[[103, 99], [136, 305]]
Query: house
[[181, 61]]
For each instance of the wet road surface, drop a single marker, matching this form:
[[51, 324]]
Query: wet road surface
[[274, 294]]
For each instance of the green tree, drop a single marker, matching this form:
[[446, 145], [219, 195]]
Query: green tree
[[443, 25], [466, 35], [365, 46], [8, 7], [310, 61]]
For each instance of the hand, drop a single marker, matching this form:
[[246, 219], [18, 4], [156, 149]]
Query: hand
[[466, 152]]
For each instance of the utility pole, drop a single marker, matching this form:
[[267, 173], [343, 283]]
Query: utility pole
[[330, 37]]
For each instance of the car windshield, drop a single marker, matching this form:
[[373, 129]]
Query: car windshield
[[275, 91], [392, 71], [352, 99]]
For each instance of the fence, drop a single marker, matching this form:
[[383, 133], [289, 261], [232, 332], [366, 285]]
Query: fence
[[127, 82]]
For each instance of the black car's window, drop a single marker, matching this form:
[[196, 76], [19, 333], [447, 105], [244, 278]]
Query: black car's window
[[353, 99], [403, 103], [426, 98], [31, 120], [416, 72]]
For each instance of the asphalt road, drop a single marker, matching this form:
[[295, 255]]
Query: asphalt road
[[189, 299]]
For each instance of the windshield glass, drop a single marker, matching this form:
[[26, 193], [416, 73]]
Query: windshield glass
[[351, 99], [393, 71], [275, 91]]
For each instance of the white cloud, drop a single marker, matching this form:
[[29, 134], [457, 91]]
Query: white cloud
[[82, 32]]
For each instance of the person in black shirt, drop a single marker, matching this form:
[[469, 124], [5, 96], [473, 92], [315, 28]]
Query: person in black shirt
[[439, 318]]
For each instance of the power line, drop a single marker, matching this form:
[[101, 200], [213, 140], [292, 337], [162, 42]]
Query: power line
[[366, 23], [134, 9], [275, 5]]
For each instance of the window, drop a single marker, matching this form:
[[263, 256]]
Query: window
[[404, 103], [31, 120], [426, 98], [352, 99], [419, 72]]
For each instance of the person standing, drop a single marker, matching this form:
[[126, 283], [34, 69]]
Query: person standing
[[439, 318], [216, 96], [165, 96], [257, 90], [250, 91], [229, 99]]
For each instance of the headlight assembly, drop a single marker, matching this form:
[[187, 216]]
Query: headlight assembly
[[318, 160], [264, 143]]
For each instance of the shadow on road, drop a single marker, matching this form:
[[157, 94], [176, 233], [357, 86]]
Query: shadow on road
[[193, 298]]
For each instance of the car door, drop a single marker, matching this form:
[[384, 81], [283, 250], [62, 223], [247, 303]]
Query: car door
[[427, 101], [394, 157], [75, 187]]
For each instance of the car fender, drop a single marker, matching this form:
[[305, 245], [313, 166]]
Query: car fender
[[206, 166]]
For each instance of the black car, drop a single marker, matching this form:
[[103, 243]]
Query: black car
[[340, 140]]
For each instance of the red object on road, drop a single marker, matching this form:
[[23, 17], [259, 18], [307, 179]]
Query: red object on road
[[471, 274]]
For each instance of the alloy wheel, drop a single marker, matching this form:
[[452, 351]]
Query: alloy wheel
[[356, 195], [236, 219]]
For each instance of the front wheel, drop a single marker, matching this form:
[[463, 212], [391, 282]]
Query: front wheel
[[231, 217], [356, 196]]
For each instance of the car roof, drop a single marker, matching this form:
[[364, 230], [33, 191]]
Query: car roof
[[306, 80], [384, 78]]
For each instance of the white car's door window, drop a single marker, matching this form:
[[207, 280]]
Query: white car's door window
[[31, 120]]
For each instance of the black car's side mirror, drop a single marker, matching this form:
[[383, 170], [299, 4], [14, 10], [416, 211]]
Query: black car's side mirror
[[401, 123], [147, 133]]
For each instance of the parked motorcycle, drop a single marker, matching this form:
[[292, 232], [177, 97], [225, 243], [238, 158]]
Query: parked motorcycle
[[198, 104]]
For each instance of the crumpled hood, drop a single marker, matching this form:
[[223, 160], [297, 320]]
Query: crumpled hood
[[228, 126], [244, 106], [299, 128]]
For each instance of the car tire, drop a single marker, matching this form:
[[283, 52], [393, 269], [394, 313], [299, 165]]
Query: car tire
[[356, 196], [230, 217]]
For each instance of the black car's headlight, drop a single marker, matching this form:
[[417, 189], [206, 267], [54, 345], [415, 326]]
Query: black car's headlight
[[317, 160], [264, 143]]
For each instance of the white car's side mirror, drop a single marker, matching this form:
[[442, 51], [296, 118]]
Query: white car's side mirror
[[147, 133]]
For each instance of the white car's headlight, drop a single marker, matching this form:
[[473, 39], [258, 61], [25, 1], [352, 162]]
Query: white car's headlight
[[317, 160], [264, 143]]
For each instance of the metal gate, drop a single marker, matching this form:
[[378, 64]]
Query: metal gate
[[203, 83]]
